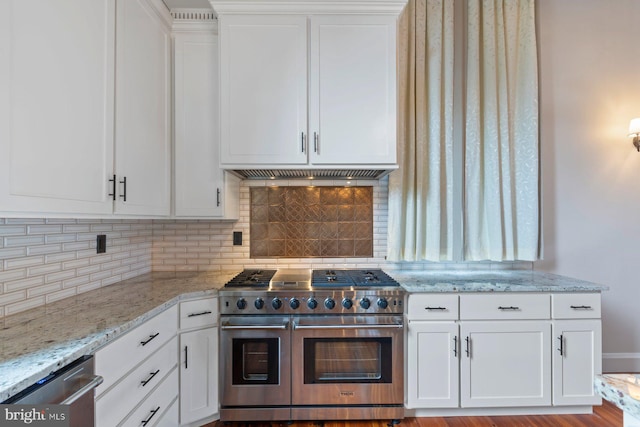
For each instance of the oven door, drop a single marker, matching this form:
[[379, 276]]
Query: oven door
[[347, 360], [254, 365]]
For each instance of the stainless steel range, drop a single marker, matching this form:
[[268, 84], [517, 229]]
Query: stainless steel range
[[311, 345]]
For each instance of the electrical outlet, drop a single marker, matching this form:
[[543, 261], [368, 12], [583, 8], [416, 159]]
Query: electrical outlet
[[101, 243], [237, 238]]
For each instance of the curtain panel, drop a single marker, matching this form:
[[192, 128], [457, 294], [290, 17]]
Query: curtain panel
[[501, 212], [420, 192]]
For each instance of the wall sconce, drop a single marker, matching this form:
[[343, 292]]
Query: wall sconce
[[634, 132]]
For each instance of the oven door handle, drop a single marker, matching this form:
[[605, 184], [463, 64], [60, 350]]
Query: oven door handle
[[364, 326], [253, 327]]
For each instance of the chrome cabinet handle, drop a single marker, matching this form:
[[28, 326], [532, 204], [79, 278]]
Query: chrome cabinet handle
[[151, 375], [199, 314], [581, 307], [153, 413], [435, 308], [186, 357], [302, 142], [468, 346], [510, 308], [315, 142], [151, 337], [561, 349], [217, 197]]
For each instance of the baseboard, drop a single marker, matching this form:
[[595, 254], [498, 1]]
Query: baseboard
[[620, 362]]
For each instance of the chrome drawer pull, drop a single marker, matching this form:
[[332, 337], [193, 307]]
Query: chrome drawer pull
[[581, 307], [510, 308], [436, 308], [153, 374], [151, 337], [153, 413], [199, 314]]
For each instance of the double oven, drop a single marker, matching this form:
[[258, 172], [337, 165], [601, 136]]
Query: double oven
[[311, 345]]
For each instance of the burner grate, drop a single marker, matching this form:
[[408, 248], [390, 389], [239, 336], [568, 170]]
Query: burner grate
[[252, 278], [330, 279], [372, 278]]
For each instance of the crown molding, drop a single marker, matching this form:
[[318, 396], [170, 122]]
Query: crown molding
[[194, 20], [308, 6]]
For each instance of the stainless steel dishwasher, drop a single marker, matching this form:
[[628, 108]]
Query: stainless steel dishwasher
[[72, 385]]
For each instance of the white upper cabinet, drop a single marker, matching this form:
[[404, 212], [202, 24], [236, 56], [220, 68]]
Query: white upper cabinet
[[352, 87], [84, 95], [143, 108], [308, 83], [263, 89], [56, 106], [201, 188]]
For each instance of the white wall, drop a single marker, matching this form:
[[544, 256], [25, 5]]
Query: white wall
[[589, 90]]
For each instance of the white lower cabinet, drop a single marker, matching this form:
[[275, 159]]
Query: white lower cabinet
[[505, 364], [577, 348], [140, 373], [471, 352], [432, 365], [199, 361]]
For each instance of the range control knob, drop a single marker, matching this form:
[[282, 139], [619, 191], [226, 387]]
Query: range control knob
[[258, 303], [347, 303], [276, 303], [312, 303], [241, 304], [329, 303], [294, 303], [383, 303], [365, 303]]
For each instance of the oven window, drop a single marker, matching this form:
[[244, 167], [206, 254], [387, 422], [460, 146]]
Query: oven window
[[347, 360], [256, 361]]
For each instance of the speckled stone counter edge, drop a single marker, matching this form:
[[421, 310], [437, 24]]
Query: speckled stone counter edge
[[613, 388]]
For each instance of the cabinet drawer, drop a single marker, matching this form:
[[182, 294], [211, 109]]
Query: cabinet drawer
[[120, 356], [505, 306], [171, 417], [575, 306], [154, 406], [432, 307], [198, 313], [114, 405]]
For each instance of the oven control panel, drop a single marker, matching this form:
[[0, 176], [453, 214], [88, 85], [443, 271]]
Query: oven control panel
[[326, 302]]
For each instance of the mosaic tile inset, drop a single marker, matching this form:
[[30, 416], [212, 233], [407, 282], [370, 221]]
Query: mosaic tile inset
[[307, 222]]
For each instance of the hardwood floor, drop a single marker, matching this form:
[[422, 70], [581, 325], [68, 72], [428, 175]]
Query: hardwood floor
[[607, 415]]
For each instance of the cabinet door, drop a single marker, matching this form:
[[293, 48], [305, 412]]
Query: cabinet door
[[577, 359], [352, 107], [198, 374], [198, 177], [505, 364], [263, 83], [143, 88], [432, 365], [56, 105]]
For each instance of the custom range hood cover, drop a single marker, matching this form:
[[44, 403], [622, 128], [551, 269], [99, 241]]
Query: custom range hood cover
[[311, 173]]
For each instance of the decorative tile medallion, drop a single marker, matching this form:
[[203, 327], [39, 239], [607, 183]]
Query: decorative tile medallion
[[307, 222]]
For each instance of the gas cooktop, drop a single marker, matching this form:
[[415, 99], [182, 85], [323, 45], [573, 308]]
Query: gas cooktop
[[309, 279]]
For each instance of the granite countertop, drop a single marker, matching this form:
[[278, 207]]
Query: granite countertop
[[623, 390], [490, 281], [36, 342]]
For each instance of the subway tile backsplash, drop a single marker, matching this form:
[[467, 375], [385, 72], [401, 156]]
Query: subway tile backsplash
[[44, 260]]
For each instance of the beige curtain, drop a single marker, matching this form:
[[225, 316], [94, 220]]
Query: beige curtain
[[501, 216], [420, 192]]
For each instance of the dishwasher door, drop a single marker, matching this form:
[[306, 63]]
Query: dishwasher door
[[72, 385]]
